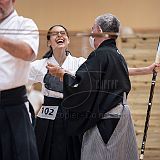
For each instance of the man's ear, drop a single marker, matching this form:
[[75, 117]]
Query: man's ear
[[99, 29]]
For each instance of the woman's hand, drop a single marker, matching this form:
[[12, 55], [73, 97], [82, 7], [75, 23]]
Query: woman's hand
[[56, 71]]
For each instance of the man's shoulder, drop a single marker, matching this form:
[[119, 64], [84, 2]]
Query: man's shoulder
[[23, 21]]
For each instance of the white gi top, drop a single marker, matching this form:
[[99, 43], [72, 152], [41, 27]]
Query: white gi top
[[39, 70], [14, 71]]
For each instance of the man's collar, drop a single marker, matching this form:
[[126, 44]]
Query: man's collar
[[9, 17]]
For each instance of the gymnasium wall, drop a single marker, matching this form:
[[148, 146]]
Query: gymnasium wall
[[79, 15]]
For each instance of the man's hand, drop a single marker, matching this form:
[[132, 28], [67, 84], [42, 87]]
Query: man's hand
[[157, 67], [154, 66]]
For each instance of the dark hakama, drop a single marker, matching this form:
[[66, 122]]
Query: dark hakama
[[17, 139], [50, 134]]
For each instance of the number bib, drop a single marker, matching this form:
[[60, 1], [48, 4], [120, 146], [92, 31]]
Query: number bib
[[48, 112]]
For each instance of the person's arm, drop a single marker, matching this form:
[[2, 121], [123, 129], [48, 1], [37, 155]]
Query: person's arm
[[143, 70], [17, 48]]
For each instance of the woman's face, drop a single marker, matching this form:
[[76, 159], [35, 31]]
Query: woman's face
[[58, 38]]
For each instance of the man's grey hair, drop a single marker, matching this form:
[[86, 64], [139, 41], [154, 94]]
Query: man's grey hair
[[108, 23]]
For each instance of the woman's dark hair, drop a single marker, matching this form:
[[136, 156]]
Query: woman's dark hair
[[48, 54], [49, 31]]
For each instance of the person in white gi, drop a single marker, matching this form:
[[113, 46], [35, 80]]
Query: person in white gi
[[18, 47], [49, 129]]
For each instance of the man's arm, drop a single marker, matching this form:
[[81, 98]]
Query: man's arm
[[17, 48], [144, 70]]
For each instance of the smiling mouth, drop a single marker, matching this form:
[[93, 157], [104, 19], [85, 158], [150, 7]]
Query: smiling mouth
[[60, 41]]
